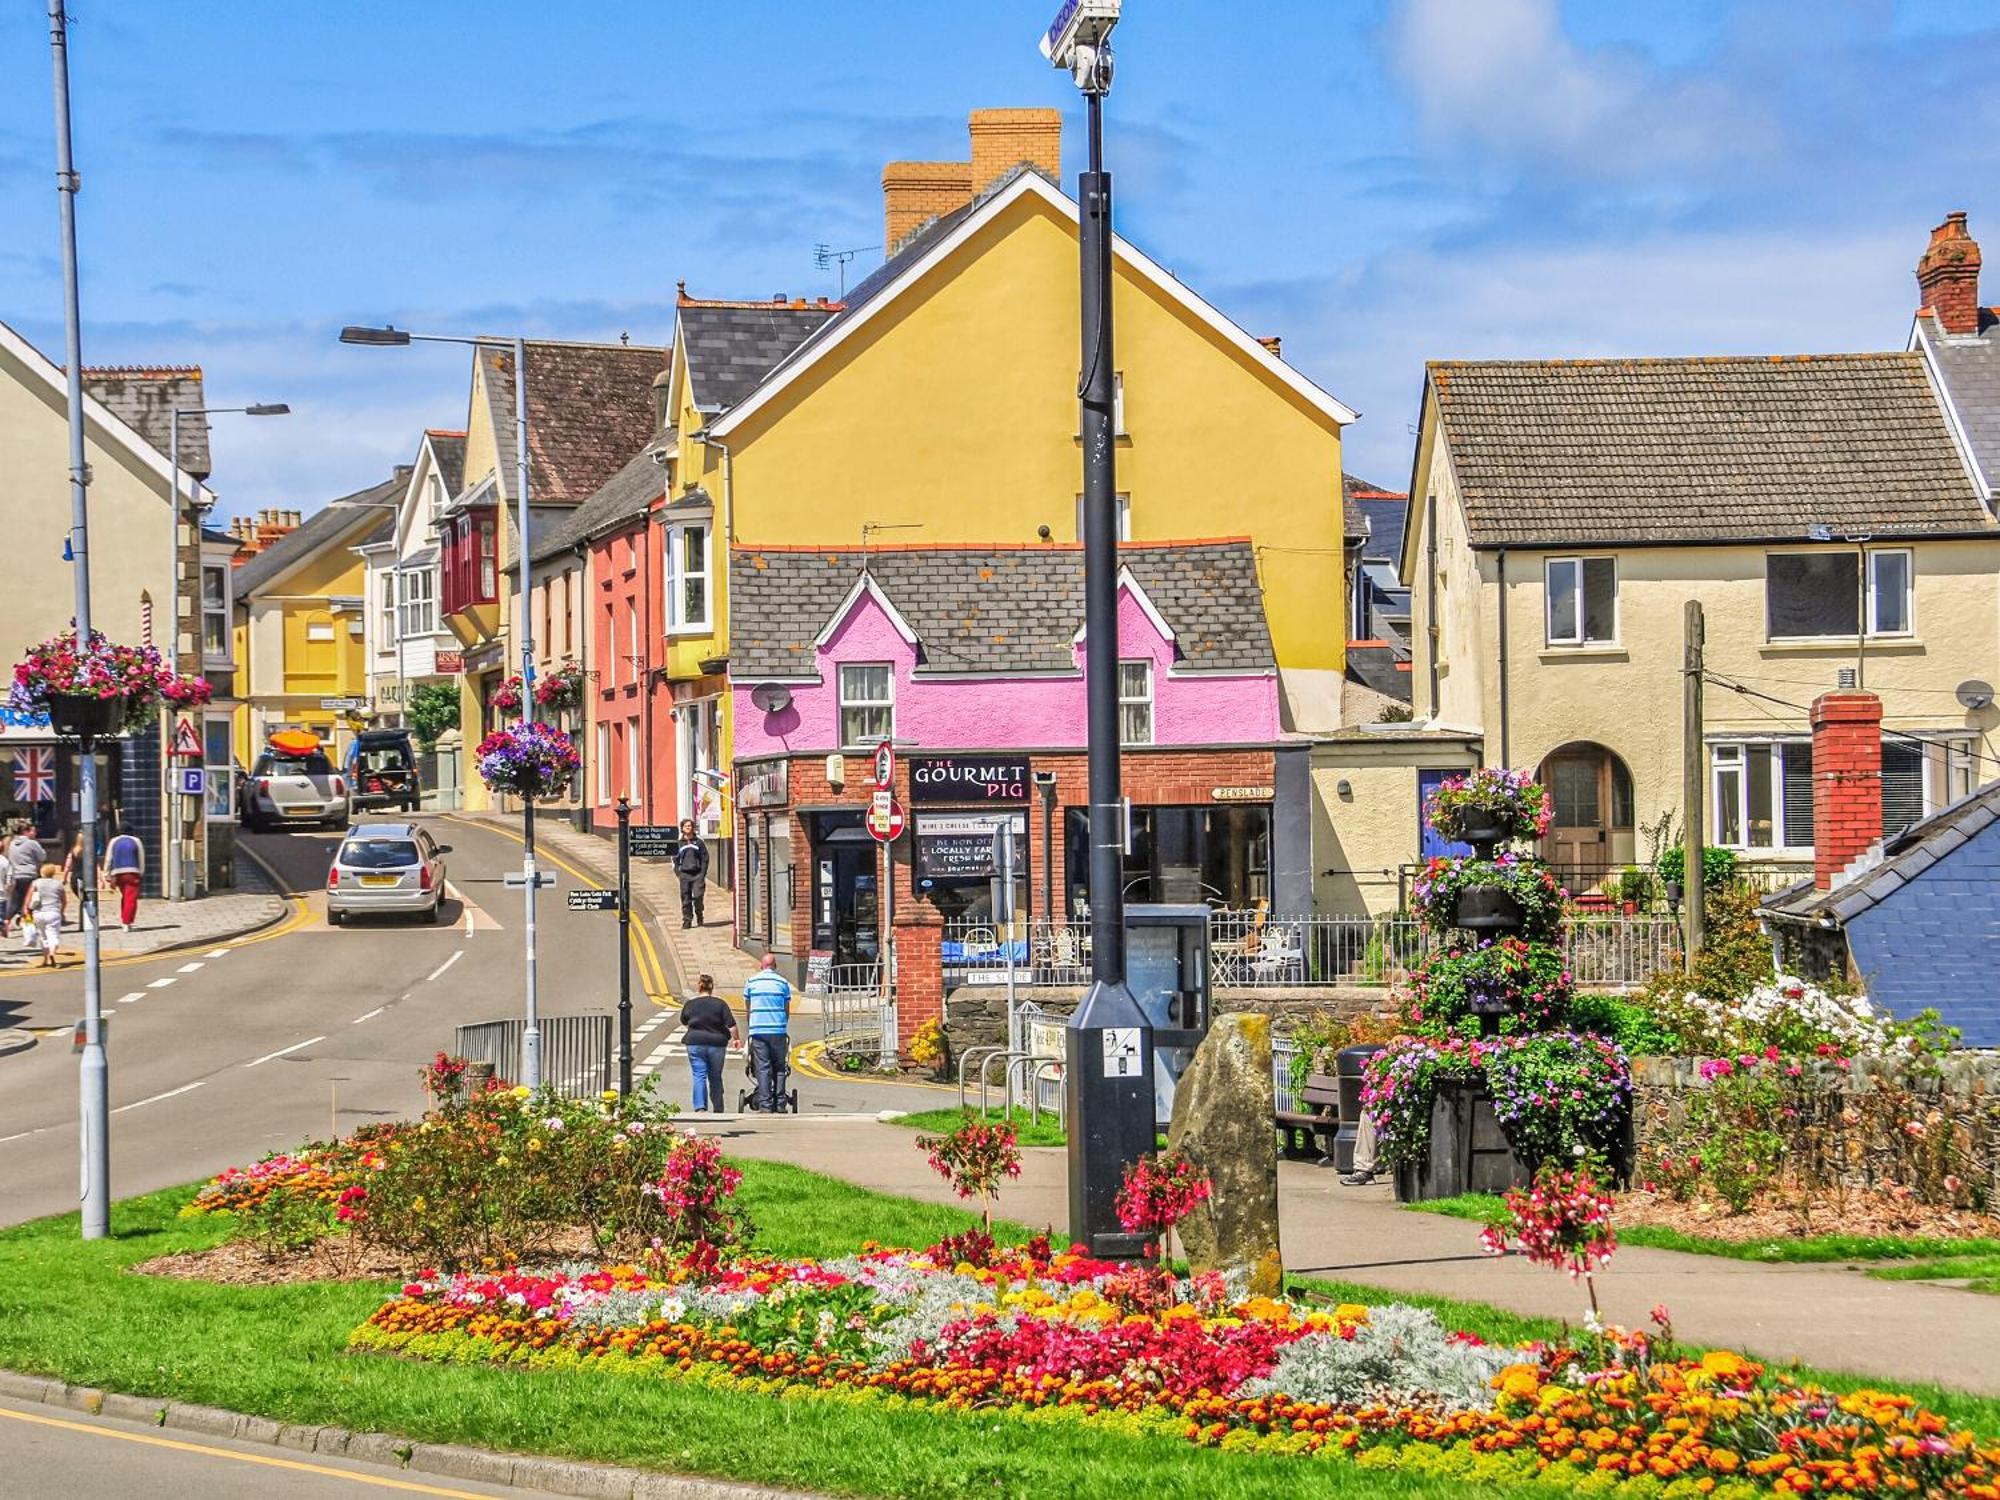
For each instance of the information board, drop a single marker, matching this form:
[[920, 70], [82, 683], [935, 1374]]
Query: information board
[[655, 840], [957, 848], [819, 972], [592, 900]]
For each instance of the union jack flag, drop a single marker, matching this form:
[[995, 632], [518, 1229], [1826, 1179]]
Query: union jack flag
[[34, 775]]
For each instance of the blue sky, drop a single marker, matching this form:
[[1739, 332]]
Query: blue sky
[[1380, 183]]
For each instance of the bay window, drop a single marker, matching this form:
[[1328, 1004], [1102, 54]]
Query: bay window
[[485, 527]]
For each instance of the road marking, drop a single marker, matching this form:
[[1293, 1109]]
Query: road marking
[[407, 1486], [160, 984], [369, 1017], [22, 1135], [188, 968], [186, 1088], [128, 999], [438, 972], [283, 1051], [216, 953], [673, 1046]]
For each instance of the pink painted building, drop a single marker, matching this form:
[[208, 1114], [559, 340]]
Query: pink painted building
[[970, 660]]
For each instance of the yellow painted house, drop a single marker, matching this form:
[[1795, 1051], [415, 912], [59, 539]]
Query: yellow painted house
[[300, 609], [937, 405]]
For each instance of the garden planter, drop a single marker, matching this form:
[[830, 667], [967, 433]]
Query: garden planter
[[1482, 831], [84, 715], [1489, 908], [1468, 1151]]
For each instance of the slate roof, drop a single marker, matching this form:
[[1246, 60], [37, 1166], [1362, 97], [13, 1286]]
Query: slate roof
[[590, 406], [732, 346], [1904, 857], [1385, 527], [144, 398], [1968, 366], [1374, 664], [1633, 451], [329, 524], [449, 450], [992, 609], [543, 522], [625, 494]]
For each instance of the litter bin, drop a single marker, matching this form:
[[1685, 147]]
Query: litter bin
[[1348, 1064]]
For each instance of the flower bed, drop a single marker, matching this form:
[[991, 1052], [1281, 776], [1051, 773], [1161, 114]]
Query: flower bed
[[1036, 1334]]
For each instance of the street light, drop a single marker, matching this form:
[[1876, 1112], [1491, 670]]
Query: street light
[[171, 877], [1108, 1041], [396, 338]]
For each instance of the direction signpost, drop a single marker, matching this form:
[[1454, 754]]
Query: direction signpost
[[654, 840], [592, 899]]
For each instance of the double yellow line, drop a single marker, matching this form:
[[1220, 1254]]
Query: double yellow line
[[652, 973]]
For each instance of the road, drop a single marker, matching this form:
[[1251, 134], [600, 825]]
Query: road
[[220, 1055], [45, 1451]]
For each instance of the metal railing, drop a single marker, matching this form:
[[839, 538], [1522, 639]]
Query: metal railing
[[1261, 950], [576, 1051], [855, 1017]]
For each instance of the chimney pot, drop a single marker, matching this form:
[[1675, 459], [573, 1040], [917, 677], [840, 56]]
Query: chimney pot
[[1847, 781], [1948, 276]]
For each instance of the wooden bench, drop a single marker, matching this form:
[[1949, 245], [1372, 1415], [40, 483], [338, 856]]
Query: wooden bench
[[1309, 1132]]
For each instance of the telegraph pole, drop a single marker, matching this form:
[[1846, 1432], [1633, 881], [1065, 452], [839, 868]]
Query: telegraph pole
[[95, 1081], [1694, 769]]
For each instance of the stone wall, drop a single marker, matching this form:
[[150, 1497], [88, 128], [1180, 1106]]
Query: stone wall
[[1852, 1122]]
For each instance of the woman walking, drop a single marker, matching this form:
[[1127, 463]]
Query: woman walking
[[125, 863], [72, 875], [47, 897], [711, 1031]]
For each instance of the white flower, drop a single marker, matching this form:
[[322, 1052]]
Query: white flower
[[1592, 1322], [673, 1309]]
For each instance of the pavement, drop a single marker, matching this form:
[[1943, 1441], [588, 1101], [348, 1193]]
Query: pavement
[[1831, 1317], [164, 926]]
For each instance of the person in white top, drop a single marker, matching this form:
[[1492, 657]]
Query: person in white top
[[47, 900]]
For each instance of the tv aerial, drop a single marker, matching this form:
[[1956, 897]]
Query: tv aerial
[[825, 255]]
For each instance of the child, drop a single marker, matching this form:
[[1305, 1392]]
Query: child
[[48, 898]]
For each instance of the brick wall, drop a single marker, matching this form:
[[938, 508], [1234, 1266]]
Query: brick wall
[[1948, 276], [1004, 138], [915, 192], [1847, 781]]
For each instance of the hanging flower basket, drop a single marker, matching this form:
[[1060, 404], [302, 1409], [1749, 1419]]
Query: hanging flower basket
[[561, 691], [529, 760], [507, 696], [1490, 805], [97, 688], [1507, 893], [1488, 908]]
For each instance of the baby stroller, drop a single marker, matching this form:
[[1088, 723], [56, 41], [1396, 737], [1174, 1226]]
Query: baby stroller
[[783, 1095]]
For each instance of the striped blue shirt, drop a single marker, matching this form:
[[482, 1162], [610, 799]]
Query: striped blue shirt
[[769, 997]]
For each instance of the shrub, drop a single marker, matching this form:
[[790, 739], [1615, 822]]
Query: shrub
[[974, 1158], [1397, 1352], [1732, 1137], [927, 1046], [1635, 1026], [1735, 957], [1718, 865], [1562, 1221], [433, 710], [697, 1219]]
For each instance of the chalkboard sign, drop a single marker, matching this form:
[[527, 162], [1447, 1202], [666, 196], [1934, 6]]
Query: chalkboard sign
[[655, 840], [819, 972], [957, 849]]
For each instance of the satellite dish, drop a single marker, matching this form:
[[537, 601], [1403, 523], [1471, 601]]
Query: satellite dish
[[772, 697], [1975, 694]]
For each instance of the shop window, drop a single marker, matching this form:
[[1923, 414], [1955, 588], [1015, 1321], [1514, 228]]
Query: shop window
[[219, 762], [1217, 855], [867, 703], [1135, 702], [1809, 594], [215, 613], [1582, 595], [687, 579]]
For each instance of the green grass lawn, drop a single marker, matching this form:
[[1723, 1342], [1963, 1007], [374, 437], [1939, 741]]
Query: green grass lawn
[[77, 1312], [1979, 1273], [1048, 1131], [1797, 1249]]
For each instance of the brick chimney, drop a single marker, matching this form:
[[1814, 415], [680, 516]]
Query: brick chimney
[[1948, 276], [1847, 781], [915, 192], [1004, 138]]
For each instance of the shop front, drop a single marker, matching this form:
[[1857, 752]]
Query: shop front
[[764, 837]]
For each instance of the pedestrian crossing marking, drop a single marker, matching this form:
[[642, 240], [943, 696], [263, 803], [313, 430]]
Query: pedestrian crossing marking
[[669, 1049]]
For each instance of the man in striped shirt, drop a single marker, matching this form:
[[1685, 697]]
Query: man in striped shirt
[[769, 998]]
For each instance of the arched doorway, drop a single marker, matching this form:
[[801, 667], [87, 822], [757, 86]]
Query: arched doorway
[[1592, 834]]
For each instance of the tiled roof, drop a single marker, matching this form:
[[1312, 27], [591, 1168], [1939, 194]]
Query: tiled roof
[[1902, 859], [1385, 525], [1375, 664], [449, 449], [339, 518], [544, 521], [992, 609], [1968, 364], [625, 494], [144, 398], [590, 406], [1565, 452], [732, 346]]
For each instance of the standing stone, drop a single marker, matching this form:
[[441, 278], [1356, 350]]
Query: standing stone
[[1222, 1122]]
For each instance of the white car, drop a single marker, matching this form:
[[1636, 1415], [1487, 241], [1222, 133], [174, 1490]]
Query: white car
[[388, 868], [293, 789]]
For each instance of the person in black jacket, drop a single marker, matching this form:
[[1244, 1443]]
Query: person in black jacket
[[711, 1029], [691, 864]]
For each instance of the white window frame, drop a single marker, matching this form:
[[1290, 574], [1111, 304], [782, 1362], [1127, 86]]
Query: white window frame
[[1146, 699], [1873, 622], [218, 610], [1578, 566], [848, 700], [416, 597], [632, 639], [219, 798], [386, 617], [1124, 517], [679, 621], [1118, 404], [603, 777], [1729, 760]]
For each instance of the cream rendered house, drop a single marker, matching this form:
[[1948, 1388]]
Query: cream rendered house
[[1562, 514], [408, 644]]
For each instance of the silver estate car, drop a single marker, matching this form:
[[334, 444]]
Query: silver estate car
[[389, 868]]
